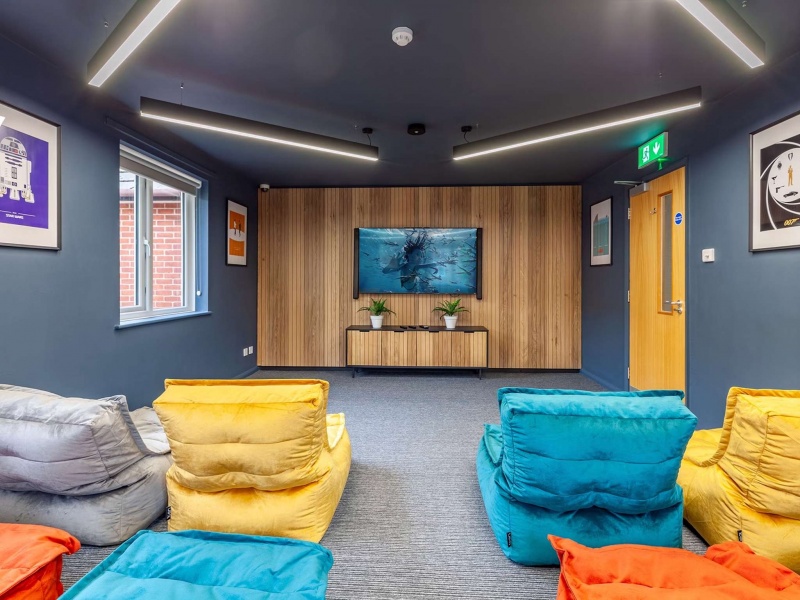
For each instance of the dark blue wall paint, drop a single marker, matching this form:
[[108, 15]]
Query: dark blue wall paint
[[58, 309], [604, 295], [743, 327]]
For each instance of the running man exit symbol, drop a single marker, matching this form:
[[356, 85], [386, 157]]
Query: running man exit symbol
[[652, 151]]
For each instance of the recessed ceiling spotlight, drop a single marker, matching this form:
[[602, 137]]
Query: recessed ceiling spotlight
[[402, 36], [416, 129]]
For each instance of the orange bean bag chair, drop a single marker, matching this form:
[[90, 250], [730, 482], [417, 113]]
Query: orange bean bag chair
[[30, 561], [729, 571]]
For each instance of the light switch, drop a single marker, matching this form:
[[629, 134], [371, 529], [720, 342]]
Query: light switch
[[708, 255]]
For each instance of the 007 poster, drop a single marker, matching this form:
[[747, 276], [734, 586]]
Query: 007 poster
[[775, 178]]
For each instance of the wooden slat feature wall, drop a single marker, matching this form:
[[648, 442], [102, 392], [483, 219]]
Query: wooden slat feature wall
[[531, 269]]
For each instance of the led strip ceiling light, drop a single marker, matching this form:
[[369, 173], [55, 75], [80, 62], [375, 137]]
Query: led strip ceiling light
[[212, 121], [725, 23], [135, 26], [2, 118], [603, 119]]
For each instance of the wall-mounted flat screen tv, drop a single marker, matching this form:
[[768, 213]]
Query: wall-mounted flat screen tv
[[417, 261]]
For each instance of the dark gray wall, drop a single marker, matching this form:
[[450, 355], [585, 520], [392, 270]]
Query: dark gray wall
[[58, 309], [742, 316]]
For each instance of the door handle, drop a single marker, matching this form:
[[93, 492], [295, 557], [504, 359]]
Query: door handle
[[678, 304]]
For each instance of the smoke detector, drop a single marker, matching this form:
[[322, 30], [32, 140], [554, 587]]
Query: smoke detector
[[402, 36]]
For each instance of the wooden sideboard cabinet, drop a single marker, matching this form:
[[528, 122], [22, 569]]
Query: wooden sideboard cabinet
[[404, 347]]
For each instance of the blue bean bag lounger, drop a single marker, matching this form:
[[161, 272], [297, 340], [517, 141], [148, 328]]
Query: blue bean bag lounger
[[597, 468], [200, 565]]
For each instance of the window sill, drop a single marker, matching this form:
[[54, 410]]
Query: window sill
[[153, 320]]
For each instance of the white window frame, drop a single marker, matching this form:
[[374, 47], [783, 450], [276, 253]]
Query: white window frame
[[147, 170]]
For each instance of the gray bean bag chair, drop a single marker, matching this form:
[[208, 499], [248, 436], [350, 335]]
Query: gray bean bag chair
[[89, 467]]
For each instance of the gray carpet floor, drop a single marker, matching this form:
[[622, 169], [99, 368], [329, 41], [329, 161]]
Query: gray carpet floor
[[411, 524]]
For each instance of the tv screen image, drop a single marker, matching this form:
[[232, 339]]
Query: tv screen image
[[418, 261]]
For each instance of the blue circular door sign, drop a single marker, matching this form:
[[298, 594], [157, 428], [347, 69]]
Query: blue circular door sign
[[678, 218]]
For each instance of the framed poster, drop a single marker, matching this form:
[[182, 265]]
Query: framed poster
[[775, 186], [237, 234], [601, 233], [30, 153]]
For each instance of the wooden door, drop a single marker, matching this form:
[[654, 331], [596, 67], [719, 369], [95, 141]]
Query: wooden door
[[434, 349], [364, 348], [398, 348], [469, 349], [658, 285]]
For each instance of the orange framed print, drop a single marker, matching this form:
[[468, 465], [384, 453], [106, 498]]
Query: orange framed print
[[237, 234]]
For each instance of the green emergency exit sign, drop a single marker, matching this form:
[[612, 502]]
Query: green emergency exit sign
[[653, 151]]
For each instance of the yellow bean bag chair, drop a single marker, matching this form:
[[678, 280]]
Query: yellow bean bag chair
[[743, 481], [260, 457]]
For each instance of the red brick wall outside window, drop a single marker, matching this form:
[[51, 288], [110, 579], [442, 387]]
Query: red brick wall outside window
[[167, 247]]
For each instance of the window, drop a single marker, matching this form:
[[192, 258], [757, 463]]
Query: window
[[158, 239]]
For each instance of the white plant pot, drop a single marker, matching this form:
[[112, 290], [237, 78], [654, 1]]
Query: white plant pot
[[377, 322], [450, 322]]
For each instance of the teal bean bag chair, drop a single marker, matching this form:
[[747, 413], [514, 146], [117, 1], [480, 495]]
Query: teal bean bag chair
[[597, 468], [200, 565]]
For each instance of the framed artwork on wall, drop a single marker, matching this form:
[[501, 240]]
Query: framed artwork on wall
[[601, 233], [237, 234], [30, 155], [775, 186], [418, 260]]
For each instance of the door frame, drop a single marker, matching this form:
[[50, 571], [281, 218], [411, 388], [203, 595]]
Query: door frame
[[678, 164]]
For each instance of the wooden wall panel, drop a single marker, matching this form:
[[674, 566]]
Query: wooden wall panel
[[531, 269]]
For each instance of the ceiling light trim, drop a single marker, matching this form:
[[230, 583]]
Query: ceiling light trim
[[604, 119], [135, 27], [718, 17], [231, 125]]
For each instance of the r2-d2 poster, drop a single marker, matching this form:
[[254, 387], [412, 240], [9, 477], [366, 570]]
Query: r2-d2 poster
[[29, 180], [775, 221], [23, 179]]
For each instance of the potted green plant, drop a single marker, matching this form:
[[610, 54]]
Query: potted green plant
[[450, 310], [377, 308]]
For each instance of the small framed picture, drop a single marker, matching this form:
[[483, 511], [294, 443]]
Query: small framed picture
[[237, 234], [601, 233], [30, 154], [775, 186]]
